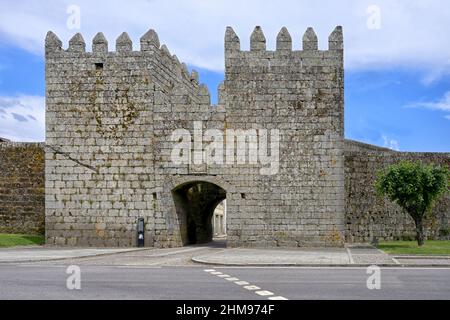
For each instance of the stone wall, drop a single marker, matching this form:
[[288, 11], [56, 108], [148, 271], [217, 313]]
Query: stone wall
[[300, 93], [21, 187], [110, 123], [368, 215], [110, 117]]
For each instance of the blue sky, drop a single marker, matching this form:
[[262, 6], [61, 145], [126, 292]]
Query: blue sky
[[397, 55]]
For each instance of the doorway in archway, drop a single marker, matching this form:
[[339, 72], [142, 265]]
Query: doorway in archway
[[219, 219], [195, 203]]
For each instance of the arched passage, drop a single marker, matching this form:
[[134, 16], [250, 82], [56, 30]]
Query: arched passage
[[195, 202]]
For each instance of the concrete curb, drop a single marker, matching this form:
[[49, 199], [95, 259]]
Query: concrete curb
[[206, 262], [355, 265], [424, 257], [69, 258]]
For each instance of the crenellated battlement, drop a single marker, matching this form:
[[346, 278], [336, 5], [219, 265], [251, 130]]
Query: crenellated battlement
[[305, 85], [148, 42], [309, 55], [284, 40], [257, 55], [150, 48]]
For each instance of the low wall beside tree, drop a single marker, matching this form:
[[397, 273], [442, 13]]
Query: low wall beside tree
[[370, 216]]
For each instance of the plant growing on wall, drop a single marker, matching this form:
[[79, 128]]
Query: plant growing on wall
[[415, 187]]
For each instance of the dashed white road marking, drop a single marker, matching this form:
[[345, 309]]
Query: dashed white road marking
[[252, 287], [246, 285], [264, 293], [277, 298]]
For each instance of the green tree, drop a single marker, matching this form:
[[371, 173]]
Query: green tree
[[415, 187]]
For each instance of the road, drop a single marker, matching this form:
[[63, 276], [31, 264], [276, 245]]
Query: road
[[169, 274]]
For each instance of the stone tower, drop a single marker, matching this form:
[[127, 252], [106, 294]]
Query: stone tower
[[110, 122]]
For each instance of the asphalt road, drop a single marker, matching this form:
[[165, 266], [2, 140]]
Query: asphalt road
[[48, 281]]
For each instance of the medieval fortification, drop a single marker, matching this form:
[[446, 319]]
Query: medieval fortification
[[110, 116]]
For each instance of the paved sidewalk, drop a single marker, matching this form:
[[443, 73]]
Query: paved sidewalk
[[36, 254], [368, 255], [423, 260], [348, 256], [352, 255]]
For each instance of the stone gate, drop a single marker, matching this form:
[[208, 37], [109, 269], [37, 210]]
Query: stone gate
[[110, 122]]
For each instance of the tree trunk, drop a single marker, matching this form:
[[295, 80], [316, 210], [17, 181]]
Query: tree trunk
[[419, 232]]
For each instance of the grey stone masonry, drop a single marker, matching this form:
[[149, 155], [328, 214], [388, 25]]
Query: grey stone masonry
[[299, 93], [369, 216], [110, 119], [21, 187]]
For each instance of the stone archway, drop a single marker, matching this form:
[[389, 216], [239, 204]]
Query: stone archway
[[195, 202]]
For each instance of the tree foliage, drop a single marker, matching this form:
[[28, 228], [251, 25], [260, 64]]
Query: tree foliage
[[415, 187]]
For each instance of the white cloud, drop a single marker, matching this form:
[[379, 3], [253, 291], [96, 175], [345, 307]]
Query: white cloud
[[412, 32], [390, 143], [436, 73], [442, 104], [22, 118]]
